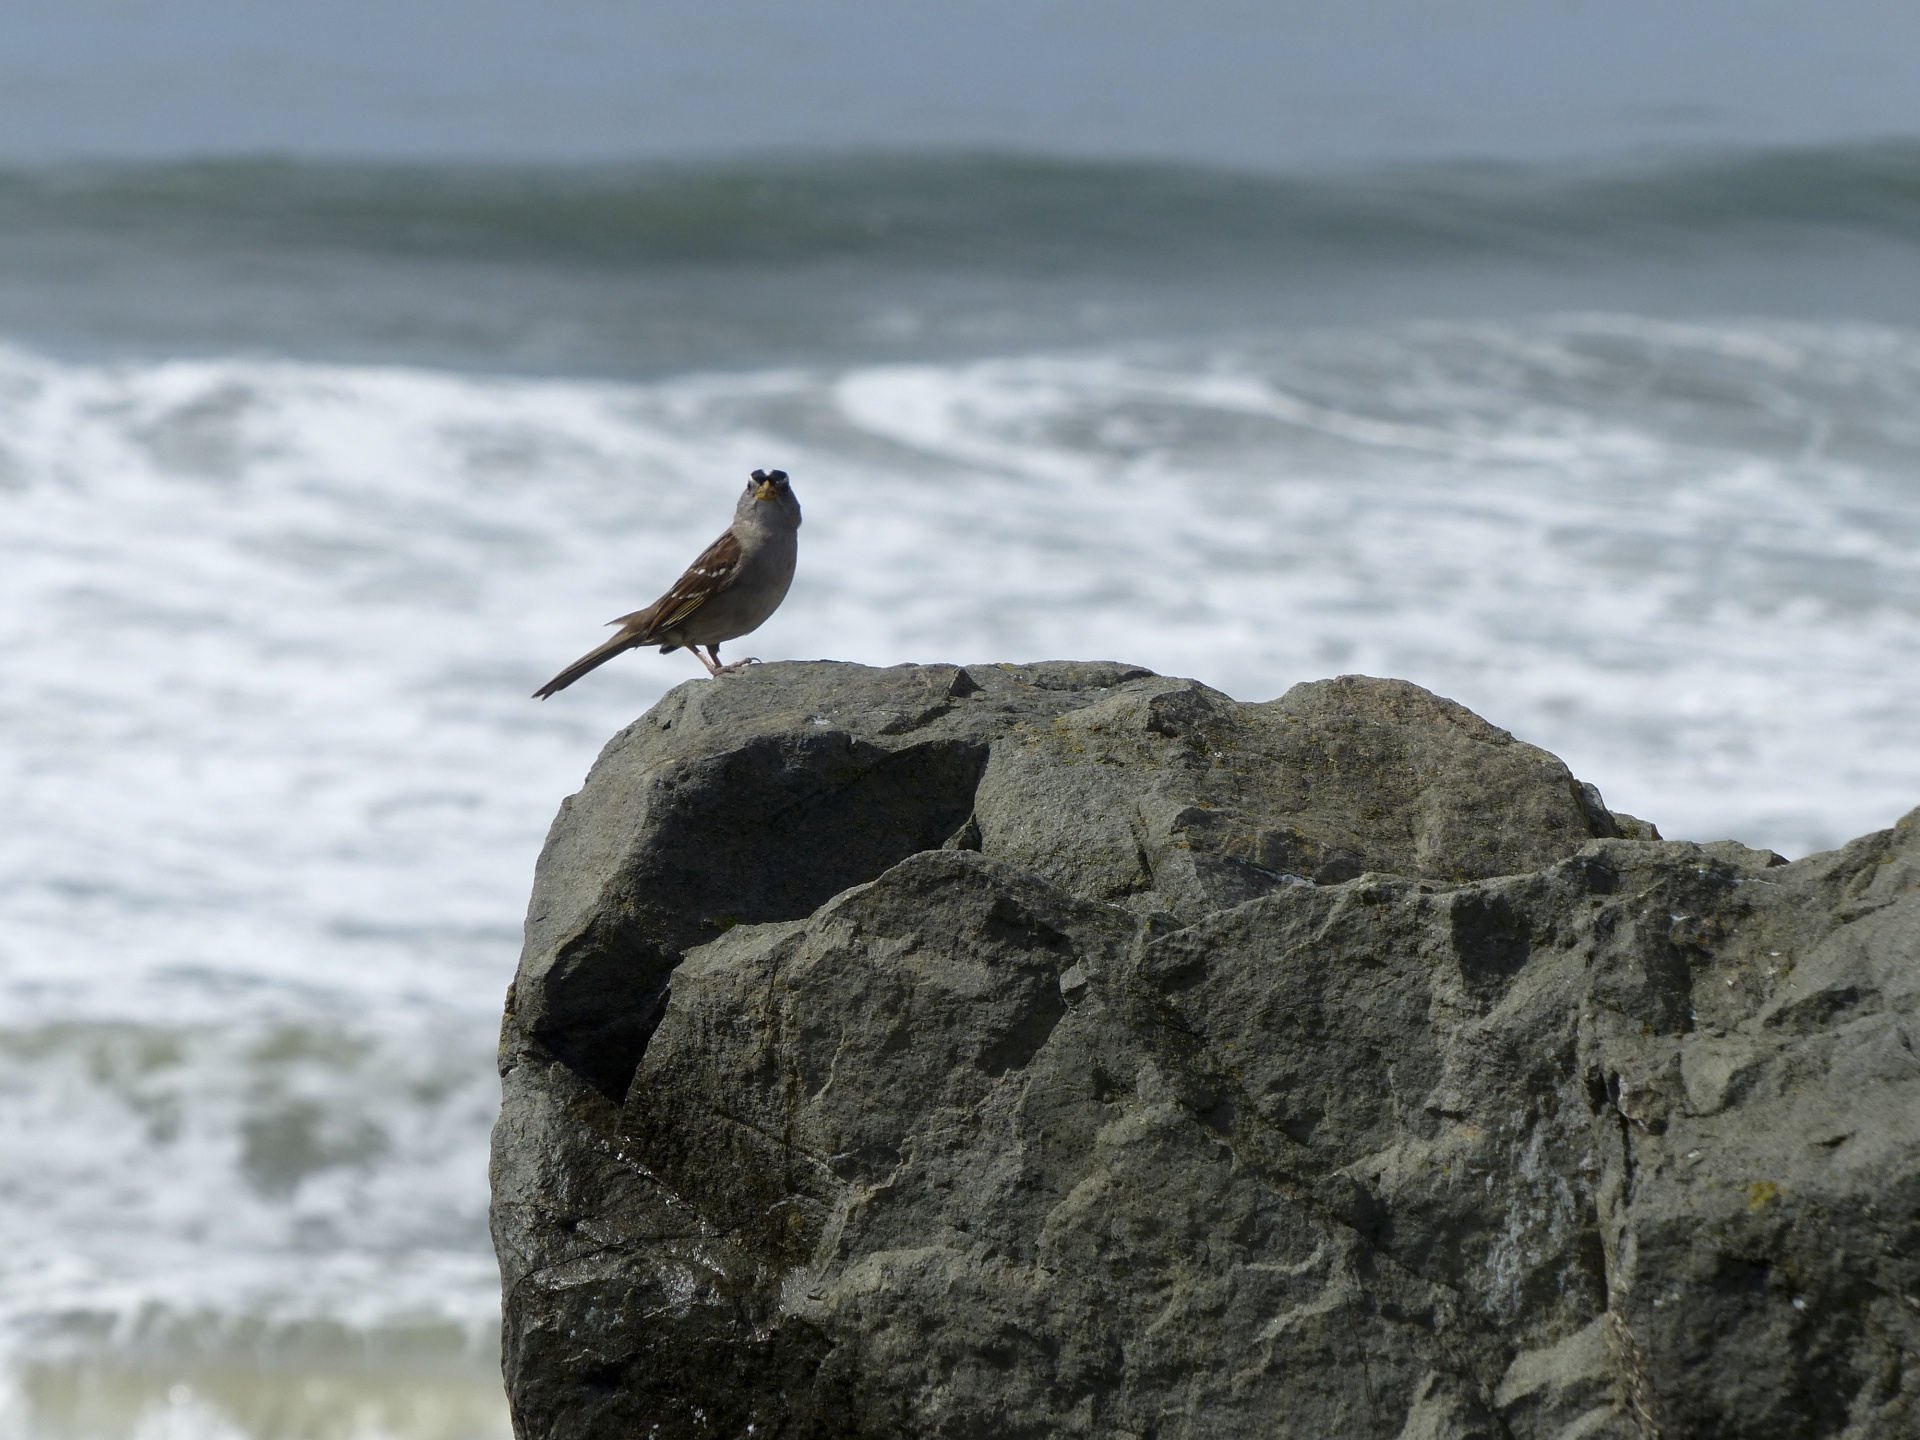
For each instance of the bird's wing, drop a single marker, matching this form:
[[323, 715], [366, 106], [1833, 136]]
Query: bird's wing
[[716, 568]]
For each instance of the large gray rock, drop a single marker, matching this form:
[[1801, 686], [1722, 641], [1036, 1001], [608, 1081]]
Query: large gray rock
[[1063, 1049]]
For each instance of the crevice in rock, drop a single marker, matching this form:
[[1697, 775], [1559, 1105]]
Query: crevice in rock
[[766, 833]]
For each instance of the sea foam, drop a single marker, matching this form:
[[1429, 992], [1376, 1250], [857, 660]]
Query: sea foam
[[275, 784]]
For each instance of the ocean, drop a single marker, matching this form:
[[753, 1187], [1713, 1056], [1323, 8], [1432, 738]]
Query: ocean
[[311, 472]]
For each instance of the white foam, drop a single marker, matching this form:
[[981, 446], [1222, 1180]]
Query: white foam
[[274, 785]]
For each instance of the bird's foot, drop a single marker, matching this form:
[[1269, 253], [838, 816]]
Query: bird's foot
[[737, 665]]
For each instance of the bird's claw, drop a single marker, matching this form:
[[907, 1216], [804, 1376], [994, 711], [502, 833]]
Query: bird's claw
[[738, 665]]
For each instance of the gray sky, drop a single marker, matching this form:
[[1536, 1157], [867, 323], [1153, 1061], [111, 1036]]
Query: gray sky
[[1277, 84]]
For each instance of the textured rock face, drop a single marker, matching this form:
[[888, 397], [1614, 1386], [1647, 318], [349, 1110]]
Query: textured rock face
[[1028, 1051]]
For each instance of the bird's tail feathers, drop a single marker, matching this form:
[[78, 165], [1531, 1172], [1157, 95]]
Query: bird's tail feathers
[[592, 660]]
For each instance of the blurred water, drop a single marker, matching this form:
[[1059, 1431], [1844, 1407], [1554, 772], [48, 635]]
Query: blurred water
[[1281, 84], [273, 785], [653, 271]]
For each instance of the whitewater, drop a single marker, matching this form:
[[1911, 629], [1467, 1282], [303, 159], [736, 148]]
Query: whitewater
[[274, 784]]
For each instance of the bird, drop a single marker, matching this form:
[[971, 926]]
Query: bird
[[738, 581]]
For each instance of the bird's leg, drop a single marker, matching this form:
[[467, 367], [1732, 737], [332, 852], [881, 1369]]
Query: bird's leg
[[713, 665], [736, 665]]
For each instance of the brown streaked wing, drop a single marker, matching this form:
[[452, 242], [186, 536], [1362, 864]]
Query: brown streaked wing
[[705, 578]]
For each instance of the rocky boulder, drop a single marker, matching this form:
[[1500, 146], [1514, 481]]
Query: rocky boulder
[[1069, 1050]]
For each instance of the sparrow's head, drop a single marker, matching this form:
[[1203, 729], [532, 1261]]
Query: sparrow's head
[[770, 487]]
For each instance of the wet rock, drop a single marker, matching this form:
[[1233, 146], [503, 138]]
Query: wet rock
[[1067, 1049]]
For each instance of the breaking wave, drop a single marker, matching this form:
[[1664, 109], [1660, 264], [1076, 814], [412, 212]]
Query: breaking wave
[[274, 784]]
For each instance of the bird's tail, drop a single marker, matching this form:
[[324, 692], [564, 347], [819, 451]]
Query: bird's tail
[[593, 659]]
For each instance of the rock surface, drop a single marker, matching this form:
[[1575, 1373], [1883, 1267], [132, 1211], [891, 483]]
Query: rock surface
[[1068, 1050]]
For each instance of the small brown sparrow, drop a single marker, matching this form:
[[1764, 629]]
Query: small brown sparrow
[[738, 581]]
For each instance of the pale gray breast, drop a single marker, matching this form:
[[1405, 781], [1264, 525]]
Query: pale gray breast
[[765, 574]]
